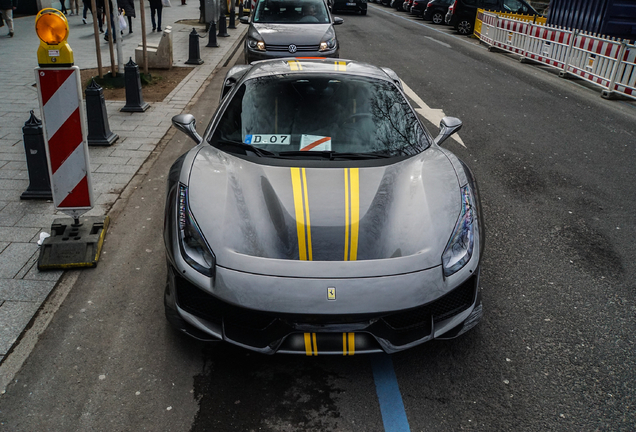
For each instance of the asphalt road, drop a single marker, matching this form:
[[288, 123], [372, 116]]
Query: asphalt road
[[555, 350]]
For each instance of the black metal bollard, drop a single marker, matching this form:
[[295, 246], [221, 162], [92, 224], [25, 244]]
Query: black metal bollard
[[240, 14], [212, 36], [222, 26], [134, 98], [194, 55], [39, 180], [232, 18], [99, 133]]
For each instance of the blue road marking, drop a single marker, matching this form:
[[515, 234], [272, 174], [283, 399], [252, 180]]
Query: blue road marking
[[389, 396]]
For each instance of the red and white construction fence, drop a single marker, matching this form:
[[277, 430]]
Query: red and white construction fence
[[608, 63]]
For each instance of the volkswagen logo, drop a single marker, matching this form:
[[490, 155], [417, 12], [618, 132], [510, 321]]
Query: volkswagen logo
[[293, 48]]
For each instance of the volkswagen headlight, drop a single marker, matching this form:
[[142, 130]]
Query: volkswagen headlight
[[328, 45], [460, 247], [255, 44], [194, 248]]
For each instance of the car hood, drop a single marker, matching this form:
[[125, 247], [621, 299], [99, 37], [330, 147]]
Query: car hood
[[314, 222], [298, 34]]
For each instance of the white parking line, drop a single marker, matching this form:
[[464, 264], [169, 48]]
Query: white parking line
[[431, 114], [438, 41]]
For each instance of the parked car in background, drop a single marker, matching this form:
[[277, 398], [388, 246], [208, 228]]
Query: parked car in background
[[349, 6], [283, 28], [397, 4], [462, 13], [418, 6], [436, 11], [406, 6]]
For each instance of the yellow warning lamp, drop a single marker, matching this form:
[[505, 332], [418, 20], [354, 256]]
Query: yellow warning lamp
[[52, 29]]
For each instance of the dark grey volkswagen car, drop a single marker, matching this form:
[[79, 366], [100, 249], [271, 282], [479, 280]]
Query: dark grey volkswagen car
[[283, 28], [317, 215]]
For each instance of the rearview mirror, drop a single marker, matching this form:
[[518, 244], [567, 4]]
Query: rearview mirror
[[186, 123], [337, 20], [244, 20], [447, 127]]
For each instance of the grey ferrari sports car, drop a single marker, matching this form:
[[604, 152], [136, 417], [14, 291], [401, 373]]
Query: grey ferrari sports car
[[317, 215]]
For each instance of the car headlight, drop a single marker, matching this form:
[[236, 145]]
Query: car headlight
[[194, 248], [256, 44], [328, 45], [460, 247]]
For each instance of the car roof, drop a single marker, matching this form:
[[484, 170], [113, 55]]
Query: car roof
[[319, 65]]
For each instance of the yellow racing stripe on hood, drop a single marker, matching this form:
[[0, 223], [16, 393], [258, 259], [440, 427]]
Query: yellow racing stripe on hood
[[301, 208], [352, 213]]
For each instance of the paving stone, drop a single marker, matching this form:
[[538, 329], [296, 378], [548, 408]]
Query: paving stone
[[37, 275], [110, 168], [15, 234], [25, 290], [109, 160], [14, 257], [37, 220], [12, 213], [14, 316]]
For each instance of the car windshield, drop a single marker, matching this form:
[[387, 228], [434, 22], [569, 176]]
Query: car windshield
[[308, 116], [298, 11]]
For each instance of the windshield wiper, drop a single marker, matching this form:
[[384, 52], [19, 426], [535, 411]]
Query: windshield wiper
[[332, 155], [256, 150]]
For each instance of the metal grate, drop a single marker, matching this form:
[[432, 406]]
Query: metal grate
[[445, 307], [299, 48], [199, 303]]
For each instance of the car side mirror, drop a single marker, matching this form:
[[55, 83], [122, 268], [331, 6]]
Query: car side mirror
[[447, 127], [186, 123], [337, 20], [244, 20]]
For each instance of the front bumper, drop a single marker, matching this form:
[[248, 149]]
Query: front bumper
[[254, 55], [206, 317]]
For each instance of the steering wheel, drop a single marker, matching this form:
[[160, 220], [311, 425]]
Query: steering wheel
[[309, 18]]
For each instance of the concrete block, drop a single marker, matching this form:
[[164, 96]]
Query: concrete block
[[160, 55]]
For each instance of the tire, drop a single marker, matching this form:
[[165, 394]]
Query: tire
[[465, 27], [363, 12], [438, 18]]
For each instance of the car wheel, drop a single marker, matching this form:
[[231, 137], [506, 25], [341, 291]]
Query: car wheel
[[363, 12], [438, 18], [465, 27]]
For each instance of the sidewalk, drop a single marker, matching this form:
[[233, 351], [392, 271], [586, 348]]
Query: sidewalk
[[23, 289]]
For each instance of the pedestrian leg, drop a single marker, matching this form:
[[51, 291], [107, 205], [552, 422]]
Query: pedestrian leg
[[8, 17], [153, 11]]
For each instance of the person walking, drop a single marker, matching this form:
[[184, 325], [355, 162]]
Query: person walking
[[99, 4], [76, 3], [155, 6], [6, 10], [96, 14], [129, 8], [63, 10]]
